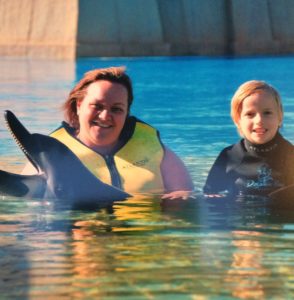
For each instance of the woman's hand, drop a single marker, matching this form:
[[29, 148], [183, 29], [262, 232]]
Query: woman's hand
[[179, 195]]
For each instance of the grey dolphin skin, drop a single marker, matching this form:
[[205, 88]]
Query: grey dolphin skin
[[61, 175]]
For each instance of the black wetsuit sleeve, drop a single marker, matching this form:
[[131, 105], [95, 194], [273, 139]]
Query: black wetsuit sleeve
[[288, 163], [217, 179]]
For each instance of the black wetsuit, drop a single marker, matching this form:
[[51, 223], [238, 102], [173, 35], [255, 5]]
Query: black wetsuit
[[248, 169]]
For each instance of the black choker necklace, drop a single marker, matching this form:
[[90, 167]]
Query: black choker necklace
[[262, 149]]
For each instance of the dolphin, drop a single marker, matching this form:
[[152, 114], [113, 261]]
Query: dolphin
[[60, 174]]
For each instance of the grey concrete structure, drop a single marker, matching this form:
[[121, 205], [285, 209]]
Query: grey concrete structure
[[74, 28]]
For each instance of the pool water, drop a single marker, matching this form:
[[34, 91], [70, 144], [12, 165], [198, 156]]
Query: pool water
[[147, 248]]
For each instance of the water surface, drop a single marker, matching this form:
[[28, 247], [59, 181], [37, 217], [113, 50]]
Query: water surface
[[146, 248]]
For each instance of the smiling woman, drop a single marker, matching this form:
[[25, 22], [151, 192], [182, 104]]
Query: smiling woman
[[117, 148], [102, 115]]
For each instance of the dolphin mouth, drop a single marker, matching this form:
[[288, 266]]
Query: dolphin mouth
[[21, 136]]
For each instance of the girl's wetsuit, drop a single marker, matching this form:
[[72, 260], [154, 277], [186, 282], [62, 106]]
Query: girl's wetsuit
[[245, 168]]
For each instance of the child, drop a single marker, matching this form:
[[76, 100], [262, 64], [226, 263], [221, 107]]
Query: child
[[263, 160]]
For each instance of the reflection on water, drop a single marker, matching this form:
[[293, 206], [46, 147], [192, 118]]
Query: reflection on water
[[146, 248]]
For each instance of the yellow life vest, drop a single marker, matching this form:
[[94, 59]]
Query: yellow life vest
[[137, 163]]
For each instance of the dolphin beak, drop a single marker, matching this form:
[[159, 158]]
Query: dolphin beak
[[21, 135]]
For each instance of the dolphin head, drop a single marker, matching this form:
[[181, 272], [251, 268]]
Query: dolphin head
[[61, 175]]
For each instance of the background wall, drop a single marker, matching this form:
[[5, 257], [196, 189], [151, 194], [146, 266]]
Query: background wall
[[73, 28], [38, 28]]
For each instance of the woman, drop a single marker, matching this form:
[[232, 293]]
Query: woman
[[118, 148]]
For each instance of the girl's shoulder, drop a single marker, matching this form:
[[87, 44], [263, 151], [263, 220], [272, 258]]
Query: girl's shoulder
[[231, 154], [237, 147], [286, 144]]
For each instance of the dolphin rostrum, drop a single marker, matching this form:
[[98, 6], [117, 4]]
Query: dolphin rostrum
[[61, 175]]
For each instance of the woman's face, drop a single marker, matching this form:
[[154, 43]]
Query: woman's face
[[260, 118], [102, 114]]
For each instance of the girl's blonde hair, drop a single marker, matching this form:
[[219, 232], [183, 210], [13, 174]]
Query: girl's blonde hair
[[248, 88]]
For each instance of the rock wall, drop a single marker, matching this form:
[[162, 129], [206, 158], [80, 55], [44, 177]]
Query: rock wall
[[74, 28], [38, 28]]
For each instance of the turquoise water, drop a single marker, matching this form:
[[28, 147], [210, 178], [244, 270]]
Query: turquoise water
[[146, 248]]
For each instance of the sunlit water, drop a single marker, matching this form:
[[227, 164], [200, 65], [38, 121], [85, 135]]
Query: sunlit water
[[146, 248]]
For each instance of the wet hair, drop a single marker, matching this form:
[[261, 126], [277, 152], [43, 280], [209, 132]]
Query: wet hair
[[78, 93], [252, 87]]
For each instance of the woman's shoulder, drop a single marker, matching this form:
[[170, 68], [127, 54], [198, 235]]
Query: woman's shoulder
[[64, 126]]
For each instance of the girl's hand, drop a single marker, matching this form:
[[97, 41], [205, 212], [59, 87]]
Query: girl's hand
[[215, 195]]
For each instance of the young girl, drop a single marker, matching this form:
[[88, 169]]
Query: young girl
[[263, 160]]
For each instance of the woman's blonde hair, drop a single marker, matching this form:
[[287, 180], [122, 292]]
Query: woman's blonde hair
[[248, 88]]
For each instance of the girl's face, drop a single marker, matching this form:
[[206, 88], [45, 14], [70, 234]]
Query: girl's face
[[102, 114], [260, 118]]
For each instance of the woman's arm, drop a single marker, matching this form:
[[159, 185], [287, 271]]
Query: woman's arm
[[176, 178]]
